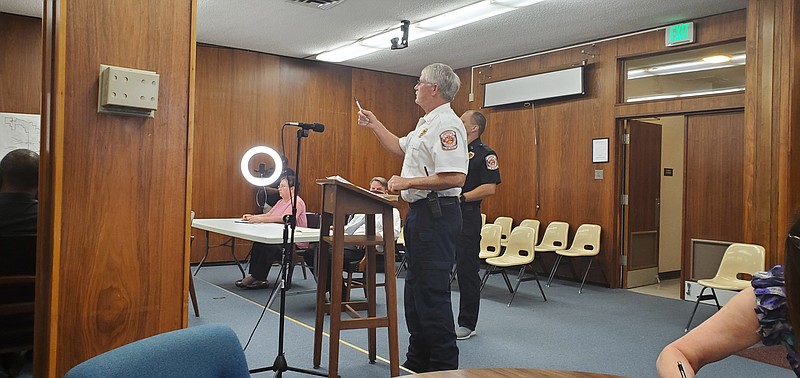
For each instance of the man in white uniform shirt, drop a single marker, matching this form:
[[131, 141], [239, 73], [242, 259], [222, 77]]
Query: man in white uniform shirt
[[434, 170]]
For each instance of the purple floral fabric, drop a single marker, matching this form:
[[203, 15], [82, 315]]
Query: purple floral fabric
[[772, 312]]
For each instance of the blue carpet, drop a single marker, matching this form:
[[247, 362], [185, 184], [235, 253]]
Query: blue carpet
[[601, 330]]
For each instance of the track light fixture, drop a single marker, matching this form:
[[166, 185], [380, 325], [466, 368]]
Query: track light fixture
[[397, 43]]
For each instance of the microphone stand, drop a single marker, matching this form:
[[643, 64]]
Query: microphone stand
[[280, 365]]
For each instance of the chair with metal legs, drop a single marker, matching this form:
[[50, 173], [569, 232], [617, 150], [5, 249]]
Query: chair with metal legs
[[518, 253], [506, 223], [739, 259], [585, 244], [554, 239]]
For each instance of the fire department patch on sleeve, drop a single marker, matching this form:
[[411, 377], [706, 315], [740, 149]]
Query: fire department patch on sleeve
[[491, 162], [449, 140]]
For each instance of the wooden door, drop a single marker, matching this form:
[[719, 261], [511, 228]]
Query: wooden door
[[643, 189], [714, 189]]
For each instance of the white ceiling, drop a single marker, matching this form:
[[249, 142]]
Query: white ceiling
[[286, 28]]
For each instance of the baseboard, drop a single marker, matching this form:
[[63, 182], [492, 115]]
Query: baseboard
[[671, 275]]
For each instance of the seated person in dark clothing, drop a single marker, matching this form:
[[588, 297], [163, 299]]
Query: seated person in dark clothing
[[263, 255], [19, 182], [358, 226]]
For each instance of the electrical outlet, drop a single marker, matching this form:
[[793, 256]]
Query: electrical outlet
[[127, 91]]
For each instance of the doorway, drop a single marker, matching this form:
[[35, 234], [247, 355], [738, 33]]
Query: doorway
[[697, 198], [653, 185]]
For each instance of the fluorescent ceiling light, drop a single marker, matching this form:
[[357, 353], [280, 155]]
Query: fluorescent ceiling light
[[685, 67], [463, 16], [450, 20], [715, 91], [516, 3], [345, 53], [717, 59], [690, 94]]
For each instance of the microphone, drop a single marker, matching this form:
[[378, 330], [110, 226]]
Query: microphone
[[318, 127]]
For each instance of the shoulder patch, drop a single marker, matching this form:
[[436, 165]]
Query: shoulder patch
[[491, 162], [449, 140], [470, 155]]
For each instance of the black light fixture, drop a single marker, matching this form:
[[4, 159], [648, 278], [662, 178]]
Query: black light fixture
[[397, 43]]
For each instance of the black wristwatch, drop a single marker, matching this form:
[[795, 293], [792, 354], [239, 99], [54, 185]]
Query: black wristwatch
[[462, 199]]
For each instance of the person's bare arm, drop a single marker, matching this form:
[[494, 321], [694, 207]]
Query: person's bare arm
[[439, 181], [389, 141], [730, 330], [481, 192]]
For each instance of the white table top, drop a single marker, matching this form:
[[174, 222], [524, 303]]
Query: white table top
[[267, 233]]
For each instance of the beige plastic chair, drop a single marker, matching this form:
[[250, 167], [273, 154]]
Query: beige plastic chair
[[192, 292], [483, 219], [554, 239], [401, 242], [585, 244], [532, 223], [505, 223], [518, 253], [738, 259], [490, 241]]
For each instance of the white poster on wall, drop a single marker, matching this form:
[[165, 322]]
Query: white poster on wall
[[19, 131]]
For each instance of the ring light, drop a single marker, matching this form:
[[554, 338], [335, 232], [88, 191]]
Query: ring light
[[261, 181]]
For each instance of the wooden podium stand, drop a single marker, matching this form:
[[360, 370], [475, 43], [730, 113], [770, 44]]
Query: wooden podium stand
[[339, 199]]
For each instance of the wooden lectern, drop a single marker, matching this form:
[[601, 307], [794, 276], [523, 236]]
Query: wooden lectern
[[340, 198]]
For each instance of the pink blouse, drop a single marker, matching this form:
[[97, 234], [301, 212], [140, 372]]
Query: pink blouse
[[284, 207]]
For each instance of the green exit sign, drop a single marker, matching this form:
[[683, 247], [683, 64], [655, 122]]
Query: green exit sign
[[679, 34]]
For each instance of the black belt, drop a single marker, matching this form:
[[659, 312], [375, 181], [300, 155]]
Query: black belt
[[442, 201]]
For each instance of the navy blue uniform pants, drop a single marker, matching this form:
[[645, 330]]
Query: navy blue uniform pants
[[430, 250], [468, 265]]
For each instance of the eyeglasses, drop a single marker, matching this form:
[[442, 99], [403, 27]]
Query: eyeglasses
[[420, 82], [795, 240]]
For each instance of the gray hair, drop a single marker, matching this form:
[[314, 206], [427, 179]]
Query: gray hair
[[381, 181], [444, 77]]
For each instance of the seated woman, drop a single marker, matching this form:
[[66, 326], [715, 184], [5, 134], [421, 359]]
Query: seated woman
[[262, 256], [763, 313]]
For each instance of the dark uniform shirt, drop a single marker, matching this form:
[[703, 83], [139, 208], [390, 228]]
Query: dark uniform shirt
[[483, 166], [17, 214]]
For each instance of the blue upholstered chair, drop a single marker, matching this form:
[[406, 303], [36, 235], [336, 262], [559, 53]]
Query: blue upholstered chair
[[211, 350]]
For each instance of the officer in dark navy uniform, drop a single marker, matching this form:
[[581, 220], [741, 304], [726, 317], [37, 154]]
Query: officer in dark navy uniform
[[482, 179]]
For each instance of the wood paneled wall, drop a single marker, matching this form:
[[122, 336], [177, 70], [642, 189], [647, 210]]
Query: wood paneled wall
[[772, 123], [545, 149], [243, 100], [113, 250], [114, 203], [21, 79], [713, 171]]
